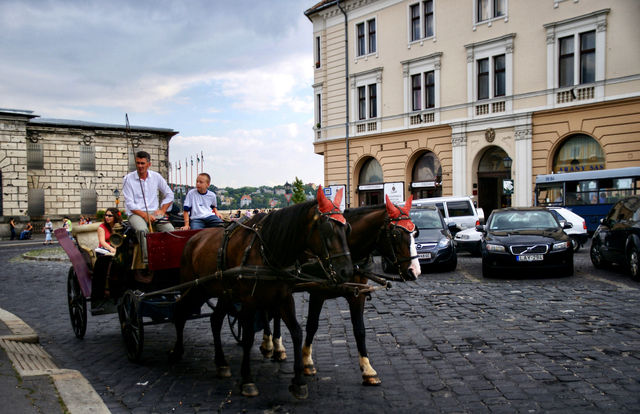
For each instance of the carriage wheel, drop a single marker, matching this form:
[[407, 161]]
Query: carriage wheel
[[131, 325], [77, 305], [236, 328]]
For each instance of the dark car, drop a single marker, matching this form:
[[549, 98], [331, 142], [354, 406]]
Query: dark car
[[617, 239], [434, 241], [516, 239]]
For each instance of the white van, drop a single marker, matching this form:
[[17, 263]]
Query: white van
[[458, 210]]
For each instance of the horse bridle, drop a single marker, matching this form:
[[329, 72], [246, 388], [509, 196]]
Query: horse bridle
[[326, 232], [393, 232]]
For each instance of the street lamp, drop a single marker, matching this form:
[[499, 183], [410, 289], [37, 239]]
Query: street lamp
[[507, 161], [116, 194]]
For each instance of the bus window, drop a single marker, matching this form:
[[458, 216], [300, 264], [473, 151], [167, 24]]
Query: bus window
[[549, 195]]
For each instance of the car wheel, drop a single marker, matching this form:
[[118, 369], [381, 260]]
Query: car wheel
[[596, 256], [633, 263], [487, 271], [569, 269], [575, 244], [451, 265]]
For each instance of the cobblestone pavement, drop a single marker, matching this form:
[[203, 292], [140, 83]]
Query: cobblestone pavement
[[451, 342]]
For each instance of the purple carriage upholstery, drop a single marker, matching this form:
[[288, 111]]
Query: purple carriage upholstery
[[80, 265]]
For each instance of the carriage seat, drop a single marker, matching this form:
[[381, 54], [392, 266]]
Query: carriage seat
[[87, 238]]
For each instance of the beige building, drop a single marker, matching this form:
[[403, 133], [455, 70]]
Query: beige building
[[59, 168], [456, 97]]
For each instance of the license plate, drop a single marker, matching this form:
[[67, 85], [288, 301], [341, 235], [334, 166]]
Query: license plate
[[424, 255], [529, 258]]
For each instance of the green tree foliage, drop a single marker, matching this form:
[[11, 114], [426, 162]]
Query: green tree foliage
[[298, 192]]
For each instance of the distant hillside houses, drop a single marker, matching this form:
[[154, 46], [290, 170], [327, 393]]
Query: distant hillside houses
[[245, 201]]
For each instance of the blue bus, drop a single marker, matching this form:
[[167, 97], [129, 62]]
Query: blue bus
[[590, 194]]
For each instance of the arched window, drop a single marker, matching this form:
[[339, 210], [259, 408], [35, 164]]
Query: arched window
[[492, 161], [579, 153], [370, 183], [371, 172], [426, 178]]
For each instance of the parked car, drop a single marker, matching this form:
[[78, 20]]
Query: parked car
[[458, 210], [434, 241], [525, 238], [469, 240], [617, 238], [578, 232]]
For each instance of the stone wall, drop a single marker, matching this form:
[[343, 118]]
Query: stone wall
[[61, 178]]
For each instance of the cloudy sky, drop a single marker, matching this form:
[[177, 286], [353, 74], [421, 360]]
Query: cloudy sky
[[233, 77]]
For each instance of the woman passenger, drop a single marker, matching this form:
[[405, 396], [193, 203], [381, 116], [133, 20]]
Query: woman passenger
[[111, 217]]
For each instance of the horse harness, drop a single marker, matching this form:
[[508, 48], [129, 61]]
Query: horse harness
[[272, 271]]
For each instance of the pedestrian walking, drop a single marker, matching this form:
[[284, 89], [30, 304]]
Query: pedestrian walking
[[47, 229], [12, 227]]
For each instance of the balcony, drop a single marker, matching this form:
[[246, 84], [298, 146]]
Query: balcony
[[575, 94], [490, 108], [364, 127], [423, 118]]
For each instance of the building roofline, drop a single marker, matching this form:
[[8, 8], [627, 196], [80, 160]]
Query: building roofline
[[324, 4], [85, 124], [18, 112]]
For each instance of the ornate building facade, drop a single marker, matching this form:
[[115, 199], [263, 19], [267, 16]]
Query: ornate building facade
[[462, 97]]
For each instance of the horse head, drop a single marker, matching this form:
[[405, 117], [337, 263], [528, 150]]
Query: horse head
[[328, 238], [401, 246]]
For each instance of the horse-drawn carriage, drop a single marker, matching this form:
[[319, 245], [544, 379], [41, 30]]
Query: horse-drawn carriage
[[256, 265], [104, 284]]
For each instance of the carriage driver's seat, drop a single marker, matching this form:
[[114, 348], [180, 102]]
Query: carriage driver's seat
[[87, 238]]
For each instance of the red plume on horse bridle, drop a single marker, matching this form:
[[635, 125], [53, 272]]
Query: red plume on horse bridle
[[400, 215], [330, 208]]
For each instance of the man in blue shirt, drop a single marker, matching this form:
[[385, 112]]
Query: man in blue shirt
[[200, 206]]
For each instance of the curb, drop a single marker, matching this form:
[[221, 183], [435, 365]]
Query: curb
[[30, 359]]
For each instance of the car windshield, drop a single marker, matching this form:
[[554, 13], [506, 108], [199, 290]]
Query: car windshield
[[522, 220], [426, 218]]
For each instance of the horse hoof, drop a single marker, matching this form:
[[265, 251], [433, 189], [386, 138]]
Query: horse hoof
[[250, 390], [267, 353], [279, 356], [224, 372], [371, 380], [301, 392], [309, 370]]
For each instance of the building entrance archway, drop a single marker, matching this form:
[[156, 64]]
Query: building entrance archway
[[370, 183], [491, 173], [426, 177]]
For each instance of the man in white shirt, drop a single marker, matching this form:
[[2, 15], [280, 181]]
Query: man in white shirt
[[201, 206], [141, 189]]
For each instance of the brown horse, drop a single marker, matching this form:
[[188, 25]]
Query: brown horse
[[388, 229], [249, 261]]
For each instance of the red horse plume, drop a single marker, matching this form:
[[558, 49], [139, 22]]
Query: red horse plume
[[400, 215], [329, 207]]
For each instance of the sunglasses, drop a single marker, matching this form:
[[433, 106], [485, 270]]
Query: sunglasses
[[108, 215]]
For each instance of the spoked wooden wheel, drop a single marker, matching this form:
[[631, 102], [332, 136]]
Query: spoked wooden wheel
[[235, 326], [77, 305], [131, 325]]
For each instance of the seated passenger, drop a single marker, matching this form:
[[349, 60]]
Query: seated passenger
[[144, 208], [25, 234], [200, 206], [111, 217]]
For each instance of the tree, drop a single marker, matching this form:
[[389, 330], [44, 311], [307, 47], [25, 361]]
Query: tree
[[298, 192]]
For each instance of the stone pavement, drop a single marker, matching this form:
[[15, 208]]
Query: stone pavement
[[31, 382], [450, 342]]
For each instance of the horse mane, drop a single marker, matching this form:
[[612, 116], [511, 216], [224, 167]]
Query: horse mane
[[284, 231], [358, 212]]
